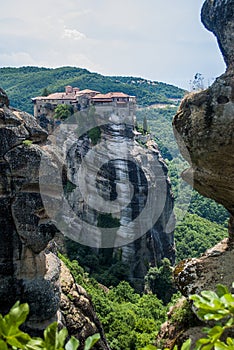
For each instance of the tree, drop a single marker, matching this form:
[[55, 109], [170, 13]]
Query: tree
[[198, 82], [159, 281], [45, 92], [145, 125], [62, 112]]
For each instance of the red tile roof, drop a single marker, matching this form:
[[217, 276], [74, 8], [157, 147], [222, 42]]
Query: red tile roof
[[88, 91], [66, 96], [110, 95], [73, 95], [57, 96]]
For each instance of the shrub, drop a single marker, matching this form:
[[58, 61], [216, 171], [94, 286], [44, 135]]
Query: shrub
[[27, 143]]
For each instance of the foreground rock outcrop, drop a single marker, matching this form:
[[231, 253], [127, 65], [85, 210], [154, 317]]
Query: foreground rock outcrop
[[204, 123], [29, 270], [204, 128]]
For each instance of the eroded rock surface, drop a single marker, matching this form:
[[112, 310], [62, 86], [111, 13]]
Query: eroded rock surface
[[204, 123], [204, 128], [29, 271], [204, 273], [77, 310], [115, 166], [217, 16]]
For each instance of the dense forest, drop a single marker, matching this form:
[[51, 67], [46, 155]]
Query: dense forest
[[22, 84]]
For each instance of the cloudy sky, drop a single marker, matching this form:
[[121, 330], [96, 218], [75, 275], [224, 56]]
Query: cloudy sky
[[155, 39]]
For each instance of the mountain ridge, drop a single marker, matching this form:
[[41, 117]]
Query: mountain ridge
[[23, 83]]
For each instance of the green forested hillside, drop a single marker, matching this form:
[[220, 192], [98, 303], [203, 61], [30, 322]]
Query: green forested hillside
[[194, 235], [130, 321], [21, 84]]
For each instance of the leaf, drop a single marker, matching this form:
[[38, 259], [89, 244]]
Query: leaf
[[215, 316], [209, 295], [35, 344], [151, 347], [3, 326], [50, 335], [203, 341], [19, 340], [3, 345], [72, 344], [61, 337], [186, 345], [222, 346], [230, 341], [17, 314], [207, 347], [228, 301], [221, 290], [205, 330], [90, 341]]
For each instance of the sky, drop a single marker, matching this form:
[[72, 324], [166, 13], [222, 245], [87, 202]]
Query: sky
[[160, 40]]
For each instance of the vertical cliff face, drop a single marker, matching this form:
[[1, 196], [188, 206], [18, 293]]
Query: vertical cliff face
[[204, 128], [29, 270], [127, 185]]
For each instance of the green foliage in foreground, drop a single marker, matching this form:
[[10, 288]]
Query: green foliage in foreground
[[11, 337], [217, 307], [130, 325]]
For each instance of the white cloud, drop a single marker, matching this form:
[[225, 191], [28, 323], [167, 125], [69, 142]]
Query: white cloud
[[159, 40], [16, 59], [73, 34]]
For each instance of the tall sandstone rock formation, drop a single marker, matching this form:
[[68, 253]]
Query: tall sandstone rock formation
[[29, 270], [204, 128], [126, 164]]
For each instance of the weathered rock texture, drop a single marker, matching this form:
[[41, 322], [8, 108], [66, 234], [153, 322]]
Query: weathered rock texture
[[205, 121], [29, 271], [78, 312], [125, 163], [217, 16], [204, 128]]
